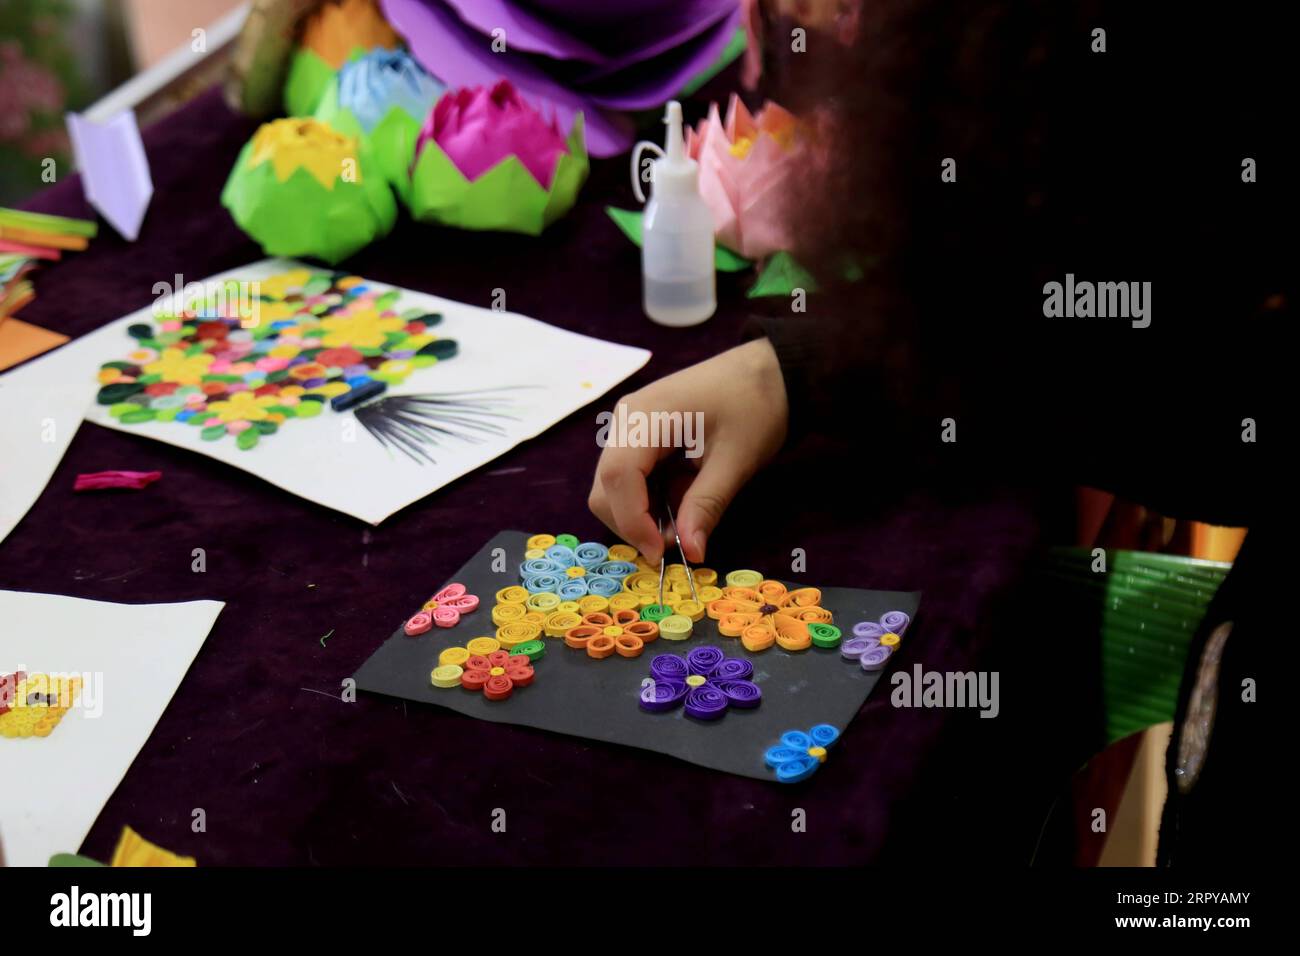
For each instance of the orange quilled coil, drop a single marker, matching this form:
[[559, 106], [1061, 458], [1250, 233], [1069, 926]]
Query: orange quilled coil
[[646, 631], [600, 647], [758, 637], [792, 634], [580, 635], [628, 645]]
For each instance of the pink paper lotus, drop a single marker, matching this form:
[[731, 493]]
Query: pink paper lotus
[[478, 127], [748, 166]]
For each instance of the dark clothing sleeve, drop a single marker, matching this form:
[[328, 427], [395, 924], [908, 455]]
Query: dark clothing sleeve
[[1122, 167]]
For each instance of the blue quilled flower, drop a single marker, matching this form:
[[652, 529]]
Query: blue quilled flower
[[799, 754]]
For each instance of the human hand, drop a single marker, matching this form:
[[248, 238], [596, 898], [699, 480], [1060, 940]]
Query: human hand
[[741, 396]]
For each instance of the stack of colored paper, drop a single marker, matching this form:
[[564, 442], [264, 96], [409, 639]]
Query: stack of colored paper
[[25, 239]]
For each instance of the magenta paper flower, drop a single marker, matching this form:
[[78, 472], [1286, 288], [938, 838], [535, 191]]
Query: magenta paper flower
[[478, 127]]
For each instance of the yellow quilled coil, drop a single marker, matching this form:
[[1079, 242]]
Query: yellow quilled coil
[[675, 627], [623, 552], [691, 609], [541, 542], [512, 595], [505, 613], [543, 601], [593, 604], [446, 675], [483, 646], [454, 656], [743, 578]]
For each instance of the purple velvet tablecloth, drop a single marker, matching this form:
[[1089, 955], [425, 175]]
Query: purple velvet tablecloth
[[287, 773]]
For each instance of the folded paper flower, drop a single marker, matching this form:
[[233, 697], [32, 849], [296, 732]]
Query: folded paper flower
[[764, 612], [444, 609], [799, 754], [706, 680], [485, 159], [593, 57], [300, 188], [382, 97], [335, 31], [748, 166]]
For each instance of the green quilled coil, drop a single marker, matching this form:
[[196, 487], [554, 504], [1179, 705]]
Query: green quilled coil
[[655, 613], [824, 635], [533, 650]]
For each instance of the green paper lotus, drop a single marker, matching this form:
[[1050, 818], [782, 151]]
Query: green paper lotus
[[290, 190], [507, 197], [308, 79]]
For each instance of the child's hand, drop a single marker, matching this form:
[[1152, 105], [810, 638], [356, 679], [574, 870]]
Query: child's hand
[[742, 397]]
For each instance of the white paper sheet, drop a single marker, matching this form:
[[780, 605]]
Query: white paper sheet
[[331, 460], [131, 658], [38, 417]]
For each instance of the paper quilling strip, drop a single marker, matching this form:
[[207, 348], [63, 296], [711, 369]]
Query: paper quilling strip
[[799, 754]]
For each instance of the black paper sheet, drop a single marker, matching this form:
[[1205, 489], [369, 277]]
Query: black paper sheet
[[598, 699]]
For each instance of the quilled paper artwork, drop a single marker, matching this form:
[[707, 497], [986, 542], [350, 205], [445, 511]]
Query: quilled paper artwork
[[873, 642], [706, 681], [244, 362], [799, 754], [765, 612], [31, 705]]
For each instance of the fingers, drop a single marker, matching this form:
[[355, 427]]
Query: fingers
[[620, 499], [708, 496]]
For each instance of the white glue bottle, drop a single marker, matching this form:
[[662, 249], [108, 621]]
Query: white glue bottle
[[677, 272]]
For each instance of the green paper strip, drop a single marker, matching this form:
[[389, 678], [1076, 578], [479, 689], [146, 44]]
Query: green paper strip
[[44, 222], [73, 859], [781, 276], [630, 222]]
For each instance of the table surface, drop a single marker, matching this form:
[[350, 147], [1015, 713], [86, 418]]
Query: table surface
[[289, 774]]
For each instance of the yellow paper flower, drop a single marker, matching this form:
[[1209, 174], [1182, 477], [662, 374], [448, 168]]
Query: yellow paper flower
[[363, 329], [134, 850], [175, 366], [291, 144], [278, 286], [242, 407]]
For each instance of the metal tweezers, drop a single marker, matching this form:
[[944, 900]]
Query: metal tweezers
[[690, 575]]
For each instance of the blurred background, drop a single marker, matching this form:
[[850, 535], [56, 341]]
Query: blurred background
[[61, 55]]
